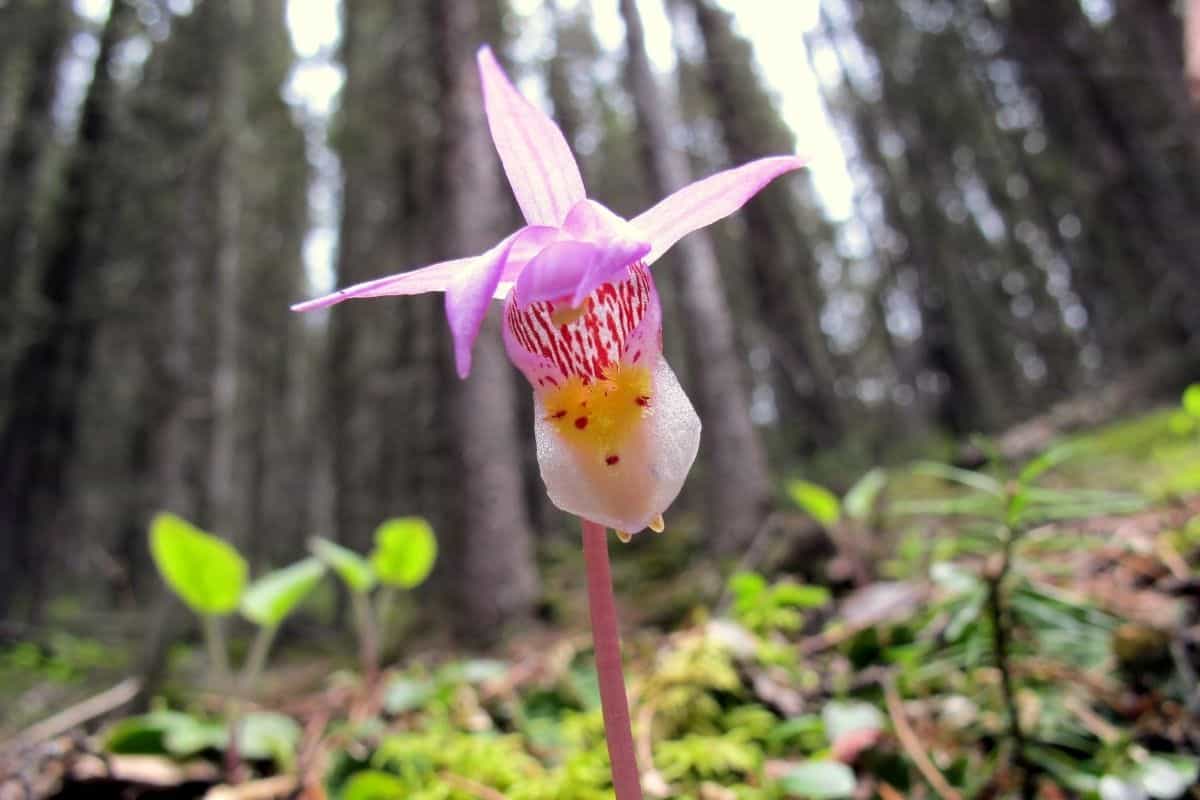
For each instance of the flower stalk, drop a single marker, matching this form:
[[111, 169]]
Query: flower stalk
[[614, 704]]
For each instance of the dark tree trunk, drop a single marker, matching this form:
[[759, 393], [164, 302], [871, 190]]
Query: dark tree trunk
[[737, 484], [782, 265], [38, 435], [493, 580]]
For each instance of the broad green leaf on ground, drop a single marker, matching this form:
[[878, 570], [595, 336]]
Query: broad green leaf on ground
[[819, 780], [407, 694], [800, 595], [1167, 777], [354, 570], [816, 501], [274, 596], [1191, 400], [842, 717], [860, 499], [207, 573], [405, 550], [265, 734], [374, 784], [165, 733]]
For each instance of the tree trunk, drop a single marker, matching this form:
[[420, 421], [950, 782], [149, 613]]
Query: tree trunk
[[494, 578], [737, 484], [783, 269], [47, 29], [38, 435]]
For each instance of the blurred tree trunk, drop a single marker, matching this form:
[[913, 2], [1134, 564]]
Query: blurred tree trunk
[[783, 268], [490, 551], [957, 345], [224, 476], [46, 27], [38, 435], [1119, 113], [738, 487], [384, 462], [277, 446]]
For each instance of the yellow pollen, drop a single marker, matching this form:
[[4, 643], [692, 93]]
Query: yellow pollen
[[599, 416], [657, 524], [625, 536]]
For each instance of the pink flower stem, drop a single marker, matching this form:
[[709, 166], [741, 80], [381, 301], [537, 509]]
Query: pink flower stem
[[618, 731]]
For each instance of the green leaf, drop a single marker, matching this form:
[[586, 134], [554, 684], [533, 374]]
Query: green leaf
[[850, 716], [266, 734], [978, 505], [964, 477], [1167, 777], [354, 570], [373, 784], [819, 780], [1191, 400], [164, 733], [1050, 459], [817, 501], [274, 596], [800, 595], [747, 586], [860, 500], [207, 573], [405, 549], [406, 694]]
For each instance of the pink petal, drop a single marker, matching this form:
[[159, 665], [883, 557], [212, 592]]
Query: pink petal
[[600, 248], [704, 202], [619, 243], [540, 168], [469, 284], [470, 291], [433, 278], [526, 243]]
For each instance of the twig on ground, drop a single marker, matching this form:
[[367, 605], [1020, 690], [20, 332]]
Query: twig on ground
[[95, 706], [264, 789], [912, 745]]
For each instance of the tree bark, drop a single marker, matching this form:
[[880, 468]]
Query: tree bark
[[738, 487], [38, 435], [494, 578], [783, 270]]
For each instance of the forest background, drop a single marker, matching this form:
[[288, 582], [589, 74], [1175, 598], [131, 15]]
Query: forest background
[[998, 236]]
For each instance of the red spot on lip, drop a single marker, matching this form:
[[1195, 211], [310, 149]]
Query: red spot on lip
[[642, 400], [558, 414], [581, 422], [613, 459]]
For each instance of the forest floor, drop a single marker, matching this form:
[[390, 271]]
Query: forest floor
[[1024, 630]]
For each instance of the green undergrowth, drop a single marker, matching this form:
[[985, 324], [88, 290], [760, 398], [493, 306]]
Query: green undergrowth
[[1016, 630]]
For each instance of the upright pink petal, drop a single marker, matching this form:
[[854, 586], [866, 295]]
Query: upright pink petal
[[704, 202], [540, 168]]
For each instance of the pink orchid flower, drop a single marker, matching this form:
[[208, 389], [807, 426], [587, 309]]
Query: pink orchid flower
[[616, 435]]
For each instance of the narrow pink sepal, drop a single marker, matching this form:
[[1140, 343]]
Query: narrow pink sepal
[[541, 170], [434, 278], [704, 202], [470, 291]]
